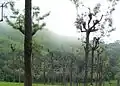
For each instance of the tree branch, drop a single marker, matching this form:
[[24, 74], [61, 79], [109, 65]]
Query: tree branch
[[38, 28], [45, 15], [21, 30], [82, 30], [15, 26], [93, 30], [95, 23], [84, 26], [90, 18]]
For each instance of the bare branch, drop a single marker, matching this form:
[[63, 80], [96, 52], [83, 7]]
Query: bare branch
[[21, 30], [45, 15], [83, 31], [38, 28], [95, 23], [84, 26], [90, 18], [93, 30]]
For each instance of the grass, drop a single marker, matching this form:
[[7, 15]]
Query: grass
[[20, 84], [113, 83]]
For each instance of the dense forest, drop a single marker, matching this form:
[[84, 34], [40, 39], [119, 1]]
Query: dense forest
[[55, 65]]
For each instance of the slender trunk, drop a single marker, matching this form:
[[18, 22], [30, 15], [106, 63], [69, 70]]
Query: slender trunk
[[86, 59], [19, 70], [32, 67], [92, 64], [13, 66], [44, 74], [19, 76], [104, 83], [77, 83], [64, 80], [97, 68], [118, 82], [52, 70], [97, 75], [28, 43], [101, 72], [71, 73]]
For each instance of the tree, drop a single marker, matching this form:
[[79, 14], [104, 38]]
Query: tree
[[28, 43], [1, 12], [94, 46], [99, 67], [27, 26], [13, 50], [88, 22], [2, 7], [81, 24], [117, 76]]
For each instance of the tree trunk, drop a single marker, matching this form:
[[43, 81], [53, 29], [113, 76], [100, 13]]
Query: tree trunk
[[13, 66], [64, 77], [77, 79], [28, 43], [97, 68], [52, 70], [44, 74], [71, 73], [118, 82], [19, 76], [92, 64], [86, 58], [101, 72]]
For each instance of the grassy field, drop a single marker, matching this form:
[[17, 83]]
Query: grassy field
[[20, 84], [113, 83]]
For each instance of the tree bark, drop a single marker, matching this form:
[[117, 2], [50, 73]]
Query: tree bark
[[118, 82], [101, 72], [86, 58], [92, 64], [64, 76], [71, 73], [14, 66], [97, 68], [44, 75], [28, 43], [19, 76]]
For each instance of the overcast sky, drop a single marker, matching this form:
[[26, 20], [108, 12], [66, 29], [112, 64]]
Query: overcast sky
[[63, 15]]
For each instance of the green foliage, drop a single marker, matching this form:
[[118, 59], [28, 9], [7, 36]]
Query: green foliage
[[17, 19]]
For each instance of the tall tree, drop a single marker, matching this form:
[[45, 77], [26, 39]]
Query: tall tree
[[28, 43], [26, 25], [94, 46], [13, 50], [88, 22], [81, 24]]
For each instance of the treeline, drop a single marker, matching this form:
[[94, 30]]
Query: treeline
[[60, 66]]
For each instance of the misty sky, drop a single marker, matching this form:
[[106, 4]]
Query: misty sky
[[63, 15]]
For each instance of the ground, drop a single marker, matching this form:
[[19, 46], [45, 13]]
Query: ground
[[113, 83]]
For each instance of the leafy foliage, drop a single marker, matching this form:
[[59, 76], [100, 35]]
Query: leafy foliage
[[17, 21]]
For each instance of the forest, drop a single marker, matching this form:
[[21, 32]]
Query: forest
[[32, 55]]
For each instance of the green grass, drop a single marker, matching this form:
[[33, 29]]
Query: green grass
[[21, 84], [113, 83]]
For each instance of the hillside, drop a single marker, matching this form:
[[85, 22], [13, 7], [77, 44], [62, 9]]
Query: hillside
[[45, 37]]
